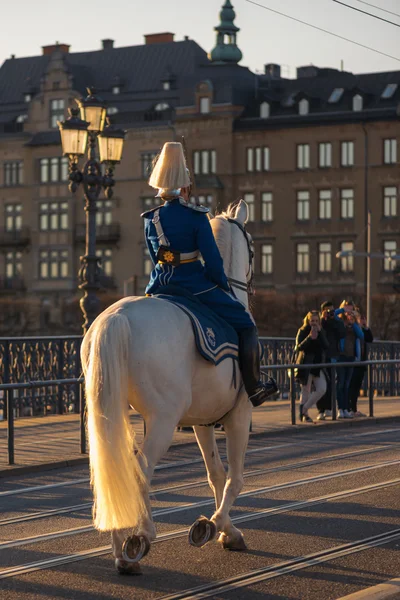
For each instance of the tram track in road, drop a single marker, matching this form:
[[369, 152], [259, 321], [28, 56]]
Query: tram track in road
[[45, 537], [202, 483], [268, 572]]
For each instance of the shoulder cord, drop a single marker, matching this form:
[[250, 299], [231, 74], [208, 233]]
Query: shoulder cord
[[163, 241]]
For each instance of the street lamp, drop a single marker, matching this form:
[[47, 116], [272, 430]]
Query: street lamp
[[75, 133]]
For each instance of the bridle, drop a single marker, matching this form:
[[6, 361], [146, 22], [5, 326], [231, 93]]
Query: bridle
[[244, 286]]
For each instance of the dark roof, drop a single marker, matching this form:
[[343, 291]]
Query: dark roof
[[45, 138]]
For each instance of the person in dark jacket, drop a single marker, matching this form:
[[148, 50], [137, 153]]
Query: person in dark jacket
[[311, 345], [350, 352], [359, 372], [334, 329]]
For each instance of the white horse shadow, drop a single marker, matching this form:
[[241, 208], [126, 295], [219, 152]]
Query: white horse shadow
[[141, 352]]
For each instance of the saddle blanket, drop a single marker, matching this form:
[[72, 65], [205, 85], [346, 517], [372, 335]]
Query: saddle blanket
[[215, 339]]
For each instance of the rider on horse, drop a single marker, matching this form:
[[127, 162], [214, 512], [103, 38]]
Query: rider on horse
[[177, 233]]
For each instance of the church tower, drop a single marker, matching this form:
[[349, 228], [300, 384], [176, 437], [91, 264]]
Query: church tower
[[226, 51]]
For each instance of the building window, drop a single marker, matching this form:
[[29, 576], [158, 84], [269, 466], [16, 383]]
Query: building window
[[303, 258], [115, 89], [53, 170], [267, 212], [258, 159], [104, 212], [56, 112], [389, 249], [205, 105], [303, 107], [250, 200], [347, 262], [325, 257], [325, 155], [13, 264], [390, 151], [357, 103], [13, 217], [148, 161], [205, 162], [53, 216], [53, 264], [303, 206], [325, 204], [166, 85], [390, 201], [266, 259], [151, 202], [347, 154], [389, 91], [112, 110], [147, 262], [336, 95], [265, 110], [105, 256], [161, 106], [27, 97], [203, 200], [303, 156], [347, 204], [13, 173]]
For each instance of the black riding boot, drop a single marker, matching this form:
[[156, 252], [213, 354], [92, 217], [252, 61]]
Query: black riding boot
[[249, 360]]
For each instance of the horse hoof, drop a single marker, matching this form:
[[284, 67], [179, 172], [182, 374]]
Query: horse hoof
[[201, 532], [125, 568], [135, 548], [234, 545]]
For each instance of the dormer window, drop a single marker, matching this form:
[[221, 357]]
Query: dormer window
[[161, 106], [303, 107], [166, 85], [389, 91], [27, 97], [205, 105], [264, 110], [112, 110], [116, 89], [336, 95], [357, 103], [21, 118]]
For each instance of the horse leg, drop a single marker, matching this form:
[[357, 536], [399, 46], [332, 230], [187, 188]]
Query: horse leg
[[237, 426]]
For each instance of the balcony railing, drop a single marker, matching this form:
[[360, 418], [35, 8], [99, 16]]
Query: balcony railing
[[11, 284], [15, 237], [104, 233]]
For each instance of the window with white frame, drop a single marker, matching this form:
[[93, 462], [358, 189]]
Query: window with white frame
[[53, 170], [53, 264], [53, 216], [56, 112], [13, 173], [147, 159], [266, 259], [390, 201], [166, 85], [204, 162], [347, 154], [357, 103], [390, 151], [205, 105], [347, 262], [249, 198], [13, 217], [116, 89], [303, 258], [258, 159], [104, 212], [267, 209], [303, 205], [325, 154], [304, 107], [389, 249], [147, 262], [347, 204], [325, 204], [303, 156], [265, 110], [106, 263], [204, 200], [150, 202], [13, 264], [325, 257]]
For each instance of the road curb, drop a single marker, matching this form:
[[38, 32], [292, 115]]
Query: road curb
[[289, 430], [388, 589]]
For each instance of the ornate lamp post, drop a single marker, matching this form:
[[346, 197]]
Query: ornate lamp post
[[75, 133]]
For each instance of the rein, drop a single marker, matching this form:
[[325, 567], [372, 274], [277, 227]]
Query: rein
[[244, 286]]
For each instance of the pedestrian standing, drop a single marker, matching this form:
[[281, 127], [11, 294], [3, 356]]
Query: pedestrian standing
[[350, 352], [359, 371]]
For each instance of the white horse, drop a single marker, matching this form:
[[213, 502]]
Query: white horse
[[141, 352]]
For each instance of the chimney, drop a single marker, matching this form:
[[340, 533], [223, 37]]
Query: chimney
[[107, 44], [50, 49], [273, 70], [158, 38]]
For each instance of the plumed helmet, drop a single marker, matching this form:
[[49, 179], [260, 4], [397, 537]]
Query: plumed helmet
[[170, 172]]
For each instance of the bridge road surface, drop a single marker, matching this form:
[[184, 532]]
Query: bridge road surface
[[319, 511]]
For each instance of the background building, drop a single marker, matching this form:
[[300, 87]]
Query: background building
[[310, 155]]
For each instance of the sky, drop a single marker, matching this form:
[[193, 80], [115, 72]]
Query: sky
[[264, 37]]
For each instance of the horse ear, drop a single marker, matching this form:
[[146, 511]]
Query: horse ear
[[242, 212]]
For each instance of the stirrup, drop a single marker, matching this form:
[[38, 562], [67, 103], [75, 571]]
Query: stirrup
[[263, 392]]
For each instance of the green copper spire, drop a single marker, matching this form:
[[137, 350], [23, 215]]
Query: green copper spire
[[226, 50]]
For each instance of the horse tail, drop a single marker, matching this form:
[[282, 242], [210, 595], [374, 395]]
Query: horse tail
[[117, 477]]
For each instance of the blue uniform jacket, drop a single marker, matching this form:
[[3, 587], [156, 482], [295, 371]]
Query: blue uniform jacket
[[187, 229]]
